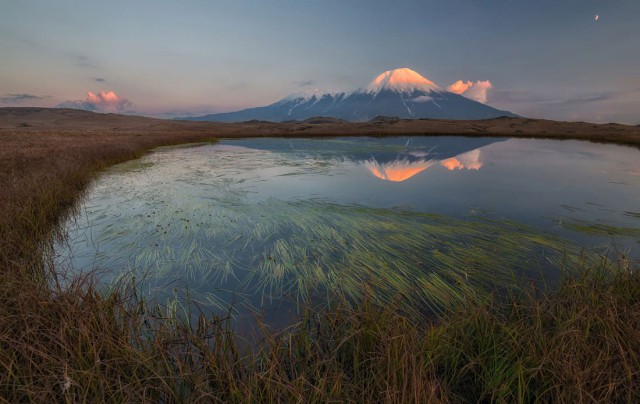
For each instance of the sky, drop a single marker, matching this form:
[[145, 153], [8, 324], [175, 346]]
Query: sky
[[543, 59]]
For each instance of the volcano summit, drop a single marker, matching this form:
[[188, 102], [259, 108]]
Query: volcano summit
[[401, 93]]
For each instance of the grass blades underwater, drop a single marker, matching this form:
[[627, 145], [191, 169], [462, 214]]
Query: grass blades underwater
[[316, 252]]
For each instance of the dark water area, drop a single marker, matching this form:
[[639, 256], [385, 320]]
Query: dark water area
[[266, 225]]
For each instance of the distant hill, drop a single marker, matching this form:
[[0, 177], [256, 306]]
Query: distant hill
[[400, 93], [36, 121]]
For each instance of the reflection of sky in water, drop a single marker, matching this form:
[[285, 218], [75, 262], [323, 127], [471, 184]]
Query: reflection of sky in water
[[188, 209], [540, 182]]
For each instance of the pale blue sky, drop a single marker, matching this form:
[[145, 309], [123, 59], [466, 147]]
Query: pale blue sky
[[547, 59]]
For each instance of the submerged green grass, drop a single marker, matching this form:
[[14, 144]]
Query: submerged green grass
[[133, 165], [635, 215], [191, 224], [315, 252], [600, 229]]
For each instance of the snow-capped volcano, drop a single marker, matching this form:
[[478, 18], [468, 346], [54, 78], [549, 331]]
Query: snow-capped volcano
[[402, 80], [401, 93]]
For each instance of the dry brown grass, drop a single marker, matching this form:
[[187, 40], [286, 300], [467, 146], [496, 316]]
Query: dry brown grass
[[38, 120], [42, 175], [578, 343]]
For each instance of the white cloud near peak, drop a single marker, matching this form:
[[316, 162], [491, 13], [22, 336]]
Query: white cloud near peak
[[476, 91]]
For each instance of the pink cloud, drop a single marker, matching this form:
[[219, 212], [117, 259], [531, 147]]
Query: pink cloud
[[452, 164], [467, 161], [476, 91], [104, 101], [459, 86], [107, 101]]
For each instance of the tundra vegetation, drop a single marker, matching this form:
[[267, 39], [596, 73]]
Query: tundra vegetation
[[71, 341]]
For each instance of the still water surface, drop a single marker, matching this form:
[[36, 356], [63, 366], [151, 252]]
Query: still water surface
[[263, 225]]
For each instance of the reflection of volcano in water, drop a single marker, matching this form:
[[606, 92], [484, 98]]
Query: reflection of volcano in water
[[419, 155], [398, 170], [402, 169], [391, 158]]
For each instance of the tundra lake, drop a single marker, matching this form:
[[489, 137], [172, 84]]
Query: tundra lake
[[263, 227]]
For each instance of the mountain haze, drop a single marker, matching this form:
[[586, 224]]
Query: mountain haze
[[401, 93]]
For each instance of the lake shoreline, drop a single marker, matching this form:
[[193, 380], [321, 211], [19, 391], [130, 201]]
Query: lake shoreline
[[75, 122], [73, 343]]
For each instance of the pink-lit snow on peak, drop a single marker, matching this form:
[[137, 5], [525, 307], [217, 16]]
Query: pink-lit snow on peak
[[403, 79]]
